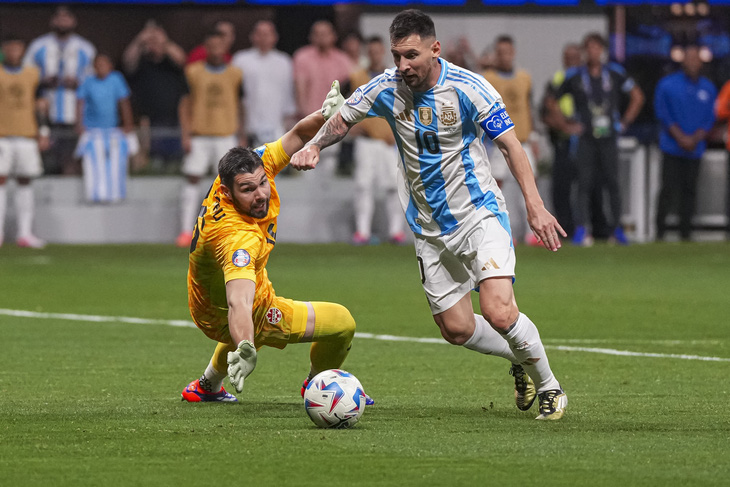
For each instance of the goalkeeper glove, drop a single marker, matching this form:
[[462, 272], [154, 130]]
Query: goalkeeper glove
[[241, 363], [333, 102]]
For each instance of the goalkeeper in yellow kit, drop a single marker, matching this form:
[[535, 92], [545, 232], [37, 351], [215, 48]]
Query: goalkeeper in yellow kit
[[229, 293]]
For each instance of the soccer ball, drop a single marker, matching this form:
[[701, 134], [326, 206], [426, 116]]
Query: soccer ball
[[334, 399]]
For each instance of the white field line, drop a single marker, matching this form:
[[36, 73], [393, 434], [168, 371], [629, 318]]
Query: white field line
[[390, 338]]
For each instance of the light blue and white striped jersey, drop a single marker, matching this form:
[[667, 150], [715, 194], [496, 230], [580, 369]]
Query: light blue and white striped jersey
[[104, 157], [73, 58], [444, 172]]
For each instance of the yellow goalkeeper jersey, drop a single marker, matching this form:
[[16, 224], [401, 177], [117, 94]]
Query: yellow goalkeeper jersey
[[228, 245]]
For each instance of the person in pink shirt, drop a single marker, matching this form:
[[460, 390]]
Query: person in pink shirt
[[316, 66]]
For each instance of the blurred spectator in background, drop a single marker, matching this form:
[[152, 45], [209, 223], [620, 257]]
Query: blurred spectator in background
[[268, 95], [515, 87], [228, 31], [154, 66], [459, 52], [352, 45], [316, 66], [20, 137], [598, 90], [103, 100], [565, 145], [485, 60], [376, 161], [64, 59], [684, 105], [210, 120]]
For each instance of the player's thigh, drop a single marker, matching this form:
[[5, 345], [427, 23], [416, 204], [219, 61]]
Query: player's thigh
[[317, 321], [444, 278], [28, 162], [197, 161], [220, 148], [6, 156], [365, 162]]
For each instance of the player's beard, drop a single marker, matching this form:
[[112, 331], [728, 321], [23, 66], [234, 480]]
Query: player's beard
[[261, 212]]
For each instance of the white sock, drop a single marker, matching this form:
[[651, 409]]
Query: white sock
[[3, 206], [486, 340], [524, 340], [24, 209], [212, 380], [189, 204]]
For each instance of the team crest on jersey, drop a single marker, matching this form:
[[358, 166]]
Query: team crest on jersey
[[355, 98], [425, 115], [241, 258], [448, 116], [274, 315]]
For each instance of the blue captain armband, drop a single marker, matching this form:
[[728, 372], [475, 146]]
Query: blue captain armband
[[497, 122]]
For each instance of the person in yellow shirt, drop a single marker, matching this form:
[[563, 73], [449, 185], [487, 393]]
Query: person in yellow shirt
[[515, 86], [210, 122], [21, 139], [229, 293]]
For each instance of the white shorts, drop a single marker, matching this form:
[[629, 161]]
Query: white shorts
[[20, 157], [206, 152], [376, 164], [452, 265]]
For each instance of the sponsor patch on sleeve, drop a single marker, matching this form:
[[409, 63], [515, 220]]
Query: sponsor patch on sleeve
[[497, 123], [355, 98], [241, 258], [260, 150]]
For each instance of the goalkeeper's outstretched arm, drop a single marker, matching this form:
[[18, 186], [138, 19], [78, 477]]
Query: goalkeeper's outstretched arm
[[241, 362]]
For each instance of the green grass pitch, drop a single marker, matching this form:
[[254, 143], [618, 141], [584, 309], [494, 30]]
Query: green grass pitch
[[86, 403]]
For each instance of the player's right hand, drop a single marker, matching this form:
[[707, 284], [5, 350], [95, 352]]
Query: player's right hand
[[241, 363], [305, 159], [333, 101]]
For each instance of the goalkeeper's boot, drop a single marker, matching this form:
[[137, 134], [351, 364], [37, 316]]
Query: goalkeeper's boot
[[194, 393], [552, 404], [525, 393], [369, 401]]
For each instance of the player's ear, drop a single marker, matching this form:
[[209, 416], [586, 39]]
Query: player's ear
[[226, 192], [436, 49]]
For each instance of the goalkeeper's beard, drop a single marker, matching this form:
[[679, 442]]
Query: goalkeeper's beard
[[257, 210]]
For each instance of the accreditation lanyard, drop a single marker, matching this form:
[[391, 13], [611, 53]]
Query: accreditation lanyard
[[600, 112]]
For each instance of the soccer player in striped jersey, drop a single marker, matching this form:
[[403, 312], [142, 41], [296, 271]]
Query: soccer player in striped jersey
[[439, 113]]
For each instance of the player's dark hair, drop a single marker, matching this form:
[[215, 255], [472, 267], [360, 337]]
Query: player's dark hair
[[505, 39], [595, 37], [239, 160], [410, 22]]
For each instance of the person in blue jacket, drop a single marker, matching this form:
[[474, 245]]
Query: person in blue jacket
[[684, 105]]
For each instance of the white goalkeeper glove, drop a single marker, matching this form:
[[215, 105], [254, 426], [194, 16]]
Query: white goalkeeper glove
[[241, 363], [333, 102]]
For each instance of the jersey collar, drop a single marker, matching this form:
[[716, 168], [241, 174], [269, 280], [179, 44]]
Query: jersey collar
[[444, 72]]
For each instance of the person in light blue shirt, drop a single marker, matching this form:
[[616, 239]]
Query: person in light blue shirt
[[684, 105], [103, 102], [103, 96]]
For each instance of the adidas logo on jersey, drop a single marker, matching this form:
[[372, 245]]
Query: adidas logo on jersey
[[404, 116]]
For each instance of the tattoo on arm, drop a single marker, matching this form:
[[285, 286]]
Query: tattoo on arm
[[333, 131]]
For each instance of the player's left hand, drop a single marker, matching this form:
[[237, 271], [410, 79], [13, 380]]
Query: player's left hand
[[241, 363], [333, 101], [305, 159], [546, 228]]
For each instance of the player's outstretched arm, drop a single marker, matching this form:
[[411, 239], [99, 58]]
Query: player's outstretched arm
[[241, 362], [331, 132], [543, 224]]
